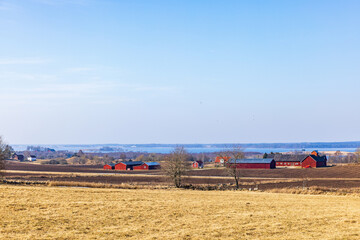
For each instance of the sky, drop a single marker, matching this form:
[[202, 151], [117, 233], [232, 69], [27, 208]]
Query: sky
[[189, 71]]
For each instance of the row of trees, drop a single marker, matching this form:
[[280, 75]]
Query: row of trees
[[340, 157]]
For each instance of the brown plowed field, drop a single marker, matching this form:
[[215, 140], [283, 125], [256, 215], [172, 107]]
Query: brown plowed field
[[159, 180], [21, 166], [342, 171], [345, 176]]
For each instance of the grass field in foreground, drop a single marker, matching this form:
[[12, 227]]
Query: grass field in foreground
[[85, 213]]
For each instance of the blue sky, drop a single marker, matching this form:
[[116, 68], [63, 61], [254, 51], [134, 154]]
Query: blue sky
[[76, 71]]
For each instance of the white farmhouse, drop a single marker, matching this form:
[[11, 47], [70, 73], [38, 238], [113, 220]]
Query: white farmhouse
[[31, 158]]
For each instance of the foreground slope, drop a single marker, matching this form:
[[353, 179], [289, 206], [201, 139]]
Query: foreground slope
[[80, 213]]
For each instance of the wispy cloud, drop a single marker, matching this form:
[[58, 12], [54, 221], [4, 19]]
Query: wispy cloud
[[6, 5], [62, 2], [21, 77], [96, 92], [80, 69], [20, 61], [57, 94], [147, 88]]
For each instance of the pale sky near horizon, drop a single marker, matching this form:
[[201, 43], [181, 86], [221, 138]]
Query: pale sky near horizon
[[192, 71]]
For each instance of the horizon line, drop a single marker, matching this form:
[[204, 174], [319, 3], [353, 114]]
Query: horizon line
[[229, 143]]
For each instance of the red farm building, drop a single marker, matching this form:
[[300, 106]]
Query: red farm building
[[289, 160], [198, 164], [18, 157], [262, 163], [128, 165], [148, 166], [221, 160], [109, 166], [153, 165], [312, 160], [137, 165]]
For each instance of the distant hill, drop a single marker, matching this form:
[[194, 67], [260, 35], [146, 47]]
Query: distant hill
[[194, 147]]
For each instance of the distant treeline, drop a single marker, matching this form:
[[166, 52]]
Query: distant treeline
[[301, 145], [340, 157], [305, 145], [39, 149], [80, 157]]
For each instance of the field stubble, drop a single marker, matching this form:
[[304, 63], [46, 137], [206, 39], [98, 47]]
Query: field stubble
[[87, 213]]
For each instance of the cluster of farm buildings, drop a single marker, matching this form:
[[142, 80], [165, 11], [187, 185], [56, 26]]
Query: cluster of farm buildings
[[133, 165], [312, 160], [22, 158]]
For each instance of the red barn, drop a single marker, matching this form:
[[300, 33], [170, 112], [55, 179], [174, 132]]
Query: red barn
[[153, 165], [141, 167], [198, 164], [289, 160], [128, 165], [109, 166], [147, 166], [313, 160], [262, 163]]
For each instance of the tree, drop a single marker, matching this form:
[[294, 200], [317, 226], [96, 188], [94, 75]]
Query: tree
[[80, 153], [235, 152], [140, 158], [176, 164], [122, 156], [8, 151], [203, 157], [357, 154], [5, 153]]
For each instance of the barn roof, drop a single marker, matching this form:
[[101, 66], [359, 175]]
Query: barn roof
[[290, 157], [152, 163], [133, 163], [254, 160], [318, 158], [111, 164], [297, 157]]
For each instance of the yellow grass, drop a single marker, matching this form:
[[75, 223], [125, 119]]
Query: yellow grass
[[82, 213]]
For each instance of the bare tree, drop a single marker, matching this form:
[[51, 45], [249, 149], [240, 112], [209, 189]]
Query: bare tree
[[5, 153], [234, 153], [123, 156], [140, 157], [176, 164], [357, 155]]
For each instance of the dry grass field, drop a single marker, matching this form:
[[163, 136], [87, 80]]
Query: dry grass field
[[29, 212]]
